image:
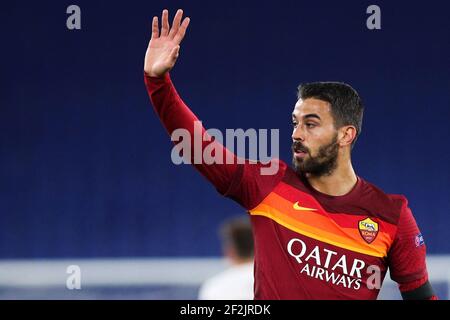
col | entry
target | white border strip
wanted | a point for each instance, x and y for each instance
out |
(143, 271)
(109, 272)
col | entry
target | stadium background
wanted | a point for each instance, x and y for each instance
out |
(85, 169)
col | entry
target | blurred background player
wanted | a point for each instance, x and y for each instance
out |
(236, 282)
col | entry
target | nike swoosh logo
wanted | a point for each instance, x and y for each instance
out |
(296, 206)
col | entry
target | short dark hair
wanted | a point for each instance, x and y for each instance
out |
(346, 105)
(237, 233)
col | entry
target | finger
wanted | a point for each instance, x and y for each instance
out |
(155, 30)
(182, 30)
(176, 23)
(165, 23)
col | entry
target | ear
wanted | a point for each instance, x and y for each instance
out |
(346, 135)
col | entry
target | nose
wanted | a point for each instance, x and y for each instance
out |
(298, 134)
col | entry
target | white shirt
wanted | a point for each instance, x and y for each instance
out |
(235, 283)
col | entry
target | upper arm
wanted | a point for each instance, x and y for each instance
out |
(407, 256)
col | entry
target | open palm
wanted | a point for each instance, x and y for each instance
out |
(164, 47)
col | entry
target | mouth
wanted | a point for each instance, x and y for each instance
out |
(300, 154)
(299, 151)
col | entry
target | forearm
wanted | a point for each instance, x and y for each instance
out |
(418, 290)
(170, 108)
(175, 114)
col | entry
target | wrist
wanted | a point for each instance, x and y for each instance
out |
(156, 78)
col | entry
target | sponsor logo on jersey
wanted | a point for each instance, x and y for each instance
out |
(327, 265)
(368, 229)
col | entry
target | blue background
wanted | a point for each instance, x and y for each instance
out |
(85, 167)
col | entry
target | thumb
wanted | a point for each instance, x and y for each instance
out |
(175, 52)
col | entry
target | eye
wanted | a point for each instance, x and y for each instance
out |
(294, 124)
(310, 125)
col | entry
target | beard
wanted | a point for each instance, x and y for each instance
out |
(324, 163)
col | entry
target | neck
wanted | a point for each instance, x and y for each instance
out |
(240, 261)
(340, 182)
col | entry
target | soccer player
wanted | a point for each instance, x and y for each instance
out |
(320, 231)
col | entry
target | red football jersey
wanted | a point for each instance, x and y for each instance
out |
(309, 245)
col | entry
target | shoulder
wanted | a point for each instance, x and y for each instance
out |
(233, 283)
(274, 167)
(231, 274)
(387, 207)
(254, 180)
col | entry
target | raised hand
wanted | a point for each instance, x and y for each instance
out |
(163, 49)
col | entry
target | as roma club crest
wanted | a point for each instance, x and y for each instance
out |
(368, 229)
